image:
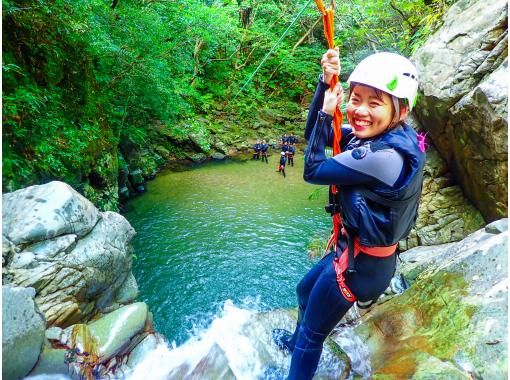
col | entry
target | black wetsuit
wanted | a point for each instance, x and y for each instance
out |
(281, 166)
(390, 164)
(290, 155)
(264, 148)
(256, 149)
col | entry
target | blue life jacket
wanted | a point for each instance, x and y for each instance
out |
(382, 216)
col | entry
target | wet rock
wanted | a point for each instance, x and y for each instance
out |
(220, 147)
(24, 260)
(218, 156)
(445, 215)
(128, 290)
(51, 362)
(497, 227)
(114, 331)
(49, 249)
(43, 212)
(22, 331)
(463, 104)
(124, 194)
(214, 365)
(143, 349)
(455, 307)
(54, 333)
(8, 249)
(74, 277)
(432, 368)
(196, 157)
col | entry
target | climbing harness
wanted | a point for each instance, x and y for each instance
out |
(345, 262)
(341, 264)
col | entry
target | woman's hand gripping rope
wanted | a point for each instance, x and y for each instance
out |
(330, 63)
(333, 99)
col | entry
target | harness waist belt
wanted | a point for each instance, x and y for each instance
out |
(340, 264)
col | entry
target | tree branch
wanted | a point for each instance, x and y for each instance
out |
(306, 34)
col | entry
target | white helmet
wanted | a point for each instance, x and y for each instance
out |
(388, 72)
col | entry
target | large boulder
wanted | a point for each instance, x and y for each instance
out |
(452, 321)
(43, 212)
(445, 215)
(102, 347)
(77, 259)
(22, 332)
(463, 80)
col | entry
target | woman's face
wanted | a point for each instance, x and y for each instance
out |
(368, 114)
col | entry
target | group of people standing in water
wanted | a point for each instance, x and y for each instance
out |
(287, 145)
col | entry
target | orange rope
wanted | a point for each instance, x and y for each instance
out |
(328, 18)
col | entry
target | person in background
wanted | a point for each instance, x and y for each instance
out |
(285, 139)
(290, 155)
(285, 148)
(379, 173)
(256, 150)
(281, 165)
(263, 150)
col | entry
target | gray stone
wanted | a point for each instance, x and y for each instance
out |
(71, 287)
(445, 215)
(128, 290)
(50, 248)
(463, 80)
(481, 258)
(497, 227)
(45, 211)
(49, 377)
(220, 147)
(25, 260)
(51, 362)
(196, 157)
(22, 332)
(143, 349)
(114, 331)
(218, 156)
(54, 333)
(431, 368)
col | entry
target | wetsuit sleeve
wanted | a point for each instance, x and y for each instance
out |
(315, 107)
(352, 167)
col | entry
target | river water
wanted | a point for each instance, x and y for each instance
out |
(233, 232)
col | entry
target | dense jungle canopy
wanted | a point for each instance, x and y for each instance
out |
(81, 79)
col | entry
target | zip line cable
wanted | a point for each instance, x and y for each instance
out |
(271, 51)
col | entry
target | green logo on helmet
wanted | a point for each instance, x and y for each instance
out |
(392, 84)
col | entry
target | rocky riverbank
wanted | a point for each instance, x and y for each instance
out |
(68, 290)
(69, 303)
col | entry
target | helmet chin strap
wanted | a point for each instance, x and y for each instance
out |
(396, 106)
(396, 117)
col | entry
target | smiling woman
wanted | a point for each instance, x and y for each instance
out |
(369, 111)
(380, 173)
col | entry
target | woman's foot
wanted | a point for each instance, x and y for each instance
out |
(283, 340)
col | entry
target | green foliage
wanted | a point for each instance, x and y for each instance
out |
(80, 78)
